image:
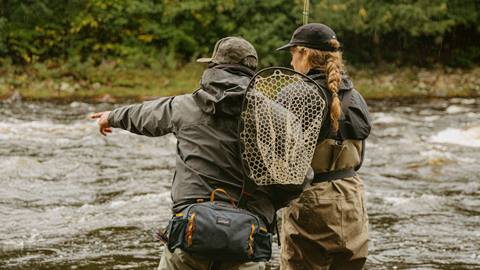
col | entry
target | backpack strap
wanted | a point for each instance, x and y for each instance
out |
(345, 103)
(346, 99)
(248, 188)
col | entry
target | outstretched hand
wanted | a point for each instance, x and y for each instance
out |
(102, 121)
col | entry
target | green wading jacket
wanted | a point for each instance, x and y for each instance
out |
(205, 124)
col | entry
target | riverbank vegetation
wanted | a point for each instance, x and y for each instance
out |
(108, 82)
(105, 50)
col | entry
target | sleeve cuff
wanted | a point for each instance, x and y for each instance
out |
(111, 119)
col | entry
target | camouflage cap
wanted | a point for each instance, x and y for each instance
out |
(230, 50)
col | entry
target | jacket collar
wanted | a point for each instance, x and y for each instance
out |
(222, 88)
(236, 69)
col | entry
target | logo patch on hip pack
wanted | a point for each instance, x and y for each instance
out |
(223, 221)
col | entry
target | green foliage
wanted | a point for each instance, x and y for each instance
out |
(3, 34)
(403, 30)
(171, 32)
(410, 18)
(139, 31)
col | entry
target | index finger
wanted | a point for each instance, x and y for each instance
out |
(96, 115)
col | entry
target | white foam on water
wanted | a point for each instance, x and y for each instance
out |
(116, 204)
(12, 245)
(425, 203)
(454, 109)
(465, 101)
(147, 198)
(42, 131)
(383, 118)
(397, 200)
(437, 153)
(466, 137)
(431, 118)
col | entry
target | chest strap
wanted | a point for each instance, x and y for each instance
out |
(333, 175)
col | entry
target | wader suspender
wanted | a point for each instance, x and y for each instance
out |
(348, 96)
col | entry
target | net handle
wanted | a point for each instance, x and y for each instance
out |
(306, 11)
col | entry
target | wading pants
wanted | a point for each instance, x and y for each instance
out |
(181, 260)
(326, 228)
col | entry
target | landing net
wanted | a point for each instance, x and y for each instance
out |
(282, 115)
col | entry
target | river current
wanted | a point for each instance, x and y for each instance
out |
(73, 199)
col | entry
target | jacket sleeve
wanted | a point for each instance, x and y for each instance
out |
(152, 118)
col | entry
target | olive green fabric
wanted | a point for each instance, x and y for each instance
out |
(327, 226)
(181, 260)
(332, 155)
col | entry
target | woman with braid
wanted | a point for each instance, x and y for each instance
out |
(326, 227)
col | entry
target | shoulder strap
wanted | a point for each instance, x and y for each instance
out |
(346, 100)
(248, 188)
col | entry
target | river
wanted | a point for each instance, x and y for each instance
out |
(73, 199)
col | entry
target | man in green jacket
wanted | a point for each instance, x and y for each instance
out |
(205, 124)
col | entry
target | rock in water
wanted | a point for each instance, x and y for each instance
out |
(15, 97)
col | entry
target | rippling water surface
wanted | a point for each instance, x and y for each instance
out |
(72, 199)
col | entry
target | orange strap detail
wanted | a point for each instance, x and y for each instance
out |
(190, 229)
(212, 195)
(250, 241)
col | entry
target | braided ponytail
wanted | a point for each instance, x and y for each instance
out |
(334, 75)
(331, 64)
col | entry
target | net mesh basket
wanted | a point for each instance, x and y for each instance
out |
(282, 116)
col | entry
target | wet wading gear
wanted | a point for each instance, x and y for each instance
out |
(327, 226)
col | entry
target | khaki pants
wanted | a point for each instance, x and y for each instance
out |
(181, 260)
(326, 227)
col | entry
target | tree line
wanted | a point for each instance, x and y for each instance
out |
(172, 32)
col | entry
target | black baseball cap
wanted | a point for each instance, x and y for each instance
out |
(312, 35)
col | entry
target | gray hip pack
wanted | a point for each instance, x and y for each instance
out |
(219, 231)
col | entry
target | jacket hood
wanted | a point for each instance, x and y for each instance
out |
(321, 79)
(222, 88)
